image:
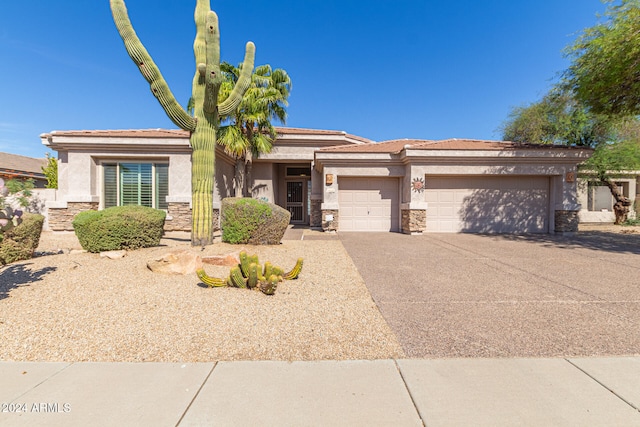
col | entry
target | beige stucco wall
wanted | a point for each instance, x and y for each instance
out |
(264, 177)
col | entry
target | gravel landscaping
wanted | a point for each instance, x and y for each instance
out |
(74, 306)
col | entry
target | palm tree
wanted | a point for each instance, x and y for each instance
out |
(248, 131)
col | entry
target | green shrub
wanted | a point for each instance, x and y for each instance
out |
(251, 221)
(21, 241)
(120, 227)
(632, 222)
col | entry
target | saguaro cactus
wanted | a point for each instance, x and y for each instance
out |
(204, 123)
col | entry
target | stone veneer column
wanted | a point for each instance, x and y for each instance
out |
(315, 219)
(330, 225)
(60, 219)
(566, 221)
(178, 217)
(414, 221)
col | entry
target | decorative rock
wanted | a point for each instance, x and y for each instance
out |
(229, 260)
(113, 254)
(177, 262)
(77, 251)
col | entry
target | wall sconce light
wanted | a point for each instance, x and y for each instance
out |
(571, 177)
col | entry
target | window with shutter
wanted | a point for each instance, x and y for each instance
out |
(141, 184)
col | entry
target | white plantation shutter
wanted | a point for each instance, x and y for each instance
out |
(162, 186)
(136, 184)
(110, 185)
(141, 184)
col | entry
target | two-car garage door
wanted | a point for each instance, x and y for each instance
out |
(369, 204)
(487, 204)
(477, 204)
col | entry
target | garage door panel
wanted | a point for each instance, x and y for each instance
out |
(347, 212)
(368, 204)
(357, 211)
(360, 197)
(487, 204)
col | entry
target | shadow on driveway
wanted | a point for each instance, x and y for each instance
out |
(594, 240)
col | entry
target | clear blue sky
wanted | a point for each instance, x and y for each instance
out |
(381, 69)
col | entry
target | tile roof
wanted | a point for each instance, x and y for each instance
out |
(15, 162)
(397, 145)
(394, 146)
(163, 133)
(122, 133)
(473, 144)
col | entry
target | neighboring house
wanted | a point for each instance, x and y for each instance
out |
(597, 201)
(331, 180)
(14, 166)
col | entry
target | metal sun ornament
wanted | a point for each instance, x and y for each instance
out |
(417, 185)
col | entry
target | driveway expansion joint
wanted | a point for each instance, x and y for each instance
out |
(603, 385)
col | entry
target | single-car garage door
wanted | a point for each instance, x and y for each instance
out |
(487, 204)
(368, 204)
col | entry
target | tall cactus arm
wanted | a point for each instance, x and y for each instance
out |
(232, 102)
(149, 69)
(212, 76)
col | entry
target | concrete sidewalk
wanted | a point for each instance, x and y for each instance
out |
(410, 392)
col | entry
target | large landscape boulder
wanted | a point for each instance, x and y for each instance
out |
(176, 262)
(251, 221)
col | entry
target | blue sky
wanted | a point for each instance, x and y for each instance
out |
(381, 69)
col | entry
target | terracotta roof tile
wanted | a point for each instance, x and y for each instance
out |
(123, 133)
(163, 133)
(392, 147)
(472, 144)
(397, 145)
(15, 162)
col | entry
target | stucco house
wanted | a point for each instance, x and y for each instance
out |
(331, 180)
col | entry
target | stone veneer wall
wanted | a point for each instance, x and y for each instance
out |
(414, 221)
(60, 219)
(180, 214)
(215, 219)
(316, 213)
(566, 221)
(330, 225)
(181, 218)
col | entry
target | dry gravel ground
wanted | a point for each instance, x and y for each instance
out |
(80, 307)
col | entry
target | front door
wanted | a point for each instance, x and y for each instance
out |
(295, 201)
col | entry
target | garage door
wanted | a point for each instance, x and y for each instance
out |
(484, 204)
(368, 204)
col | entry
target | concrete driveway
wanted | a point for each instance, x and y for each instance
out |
(465, 295)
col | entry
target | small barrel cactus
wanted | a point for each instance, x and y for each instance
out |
(250, 274)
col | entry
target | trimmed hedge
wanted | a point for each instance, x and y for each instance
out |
(21, 241)
(119, 227)
(251, 221)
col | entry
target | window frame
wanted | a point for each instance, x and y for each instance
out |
(155, 202)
